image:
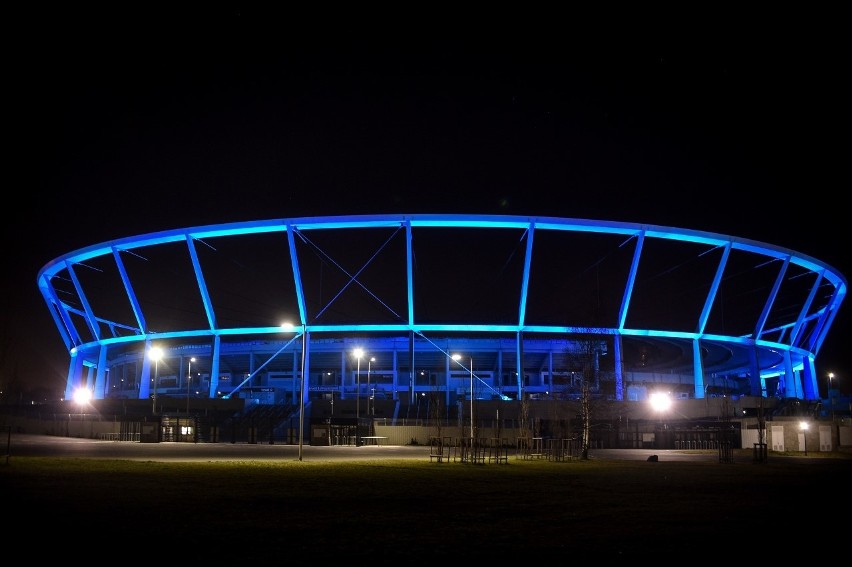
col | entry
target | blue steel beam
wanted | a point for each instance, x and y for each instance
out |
(818, 317)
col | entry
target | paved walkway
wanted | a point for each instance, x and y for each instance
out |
(29, 445)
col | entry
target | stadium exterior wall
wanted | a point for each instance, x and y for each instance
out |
(535, 306)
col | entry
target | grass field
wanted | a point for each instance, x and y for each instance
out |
(420, 512)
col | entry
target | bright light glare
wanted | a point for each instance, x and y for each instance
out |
(155, 354)
(82, 396)
(660, 401)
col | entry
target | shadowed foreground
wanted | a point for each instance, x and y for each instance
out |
(419, 512)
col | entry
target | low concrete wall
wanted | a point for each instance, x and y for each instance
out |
(782, 434)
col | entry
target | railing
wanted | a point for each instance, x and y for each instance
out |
(475, 451)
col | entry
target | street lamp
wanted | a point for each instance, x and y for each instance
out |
(828, 394)
(289, 327)
(188, 380)
(358, 354)
(82, 396)
(660, 402)
(369, 366)
(457, 358)
(803, 425)
(155, 354)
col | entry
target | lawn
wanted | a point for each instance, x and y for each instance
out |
(419, 512)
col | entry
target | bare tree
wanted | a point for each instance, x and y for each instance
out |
(586, 419)
(524, 433)
(760, 455)
(436, 413)
(586, 356)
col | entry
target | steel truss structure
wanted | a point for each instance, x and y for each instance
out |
(532, 304)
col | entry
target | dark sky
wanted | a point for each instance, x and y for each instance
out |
(131, 132)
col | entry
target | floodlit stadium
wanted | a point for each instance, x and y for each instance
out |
(389, 309)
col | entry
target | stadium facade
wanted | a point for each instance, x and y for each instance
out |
(377, 306)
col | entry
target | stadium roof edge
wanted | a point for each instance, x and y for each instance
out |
(442, 220)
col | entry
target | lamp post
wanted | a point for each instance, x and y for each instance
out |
(302, 390)
(369, 367)
(358, 354)
(660, 402)
(155, 354)
(81, 397)
(457, 358)
(803, 425)
(471, 403)
(188, 380)
(289, 327)
(828, 394)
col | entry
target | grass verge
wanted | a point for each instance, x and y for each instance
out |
(415, 511)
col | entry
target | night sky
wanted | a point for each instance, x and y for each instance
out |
(130, 132)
